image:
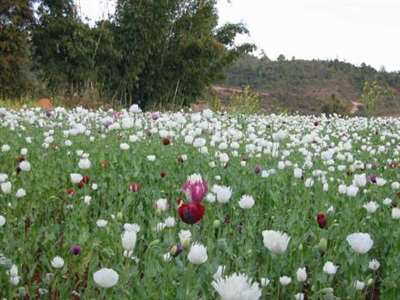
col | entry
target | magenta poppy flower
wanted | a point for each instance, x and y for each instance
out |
(134, 187)
(195, 188)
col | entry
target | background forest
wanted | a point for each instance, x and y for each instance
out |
(148, 52)
(168, 54)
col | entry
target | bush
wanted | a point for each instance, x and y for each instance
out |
(372, 96)
(335, 106)
(214, 103)
(246, 101)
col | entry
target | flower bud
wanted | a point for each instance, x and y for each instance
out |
(222, 244)
(323, 245)
(217, 223)
(186, 243)
(22, 292)
(327, 290)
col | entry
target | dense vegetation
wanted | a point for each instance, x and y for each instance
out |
(165, 54)
(150, 53)
(116, 205)
(309, 85)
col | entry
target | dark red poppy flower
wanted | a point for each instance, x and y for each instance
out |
(191, 213)
(85, 179)
(166, 141)
(71, 191)
(322, 219)
(257, 170)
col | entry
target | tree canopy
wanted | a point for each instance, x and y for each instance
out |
(149, 52)
(16, 17)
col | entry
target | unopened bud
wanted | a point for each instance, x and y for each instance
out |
(323, 245)
(217, 224)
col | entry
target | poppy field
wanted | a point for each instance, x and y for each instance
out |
(105, 204)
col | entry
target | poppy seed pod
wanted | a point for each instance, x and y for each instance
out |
(323, 245)
(216, 223)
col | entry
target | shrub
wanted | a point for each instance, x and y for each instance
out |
(335, 106)
(247, 101)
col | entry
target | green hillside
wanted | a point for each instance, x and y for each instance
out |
(309, 86)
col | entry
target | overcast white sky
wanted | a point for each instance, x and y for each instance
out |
(352, 30)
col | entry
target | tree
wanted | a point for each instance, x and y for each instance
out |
(281, 58)
(264, 57)
(63, 47)
(151, 52)
(169, 51)
(373, 94)
(16, 17)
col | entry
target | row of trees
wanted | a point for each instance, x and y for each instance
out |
(295, 74)
(148, 52)
(314, 86)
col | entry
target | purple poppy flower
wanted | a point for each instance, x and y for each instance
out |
(76, 250)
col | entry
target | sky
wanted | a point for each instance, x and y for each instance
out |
(355, 31)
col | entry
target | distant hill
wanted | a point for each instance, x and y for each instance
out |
(308, 86)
